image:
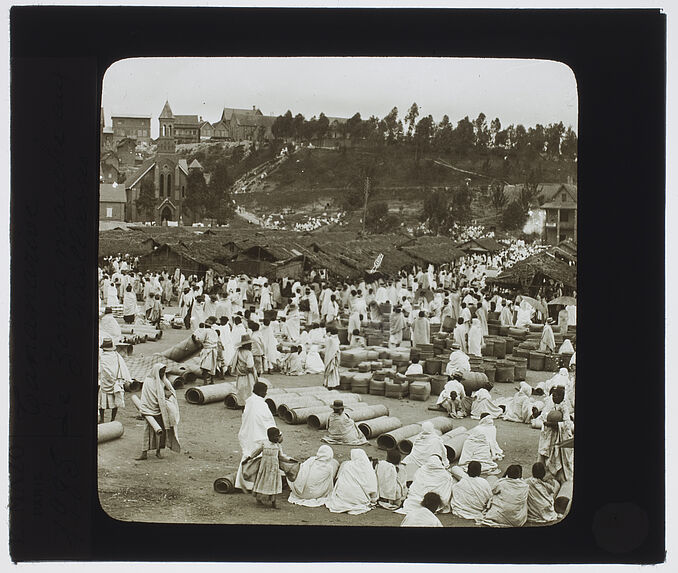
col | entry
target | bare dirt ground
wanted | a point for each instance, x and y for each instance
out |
(179, 487)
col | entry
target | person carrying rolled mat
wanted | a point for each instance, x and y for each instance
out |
(159, 399)
(392, 487)
(315, 479)
(113, 373)
(481, 445)
(471, 494)
(256, 419)
(424, 516)
(432, 476)
(508, 506)
(425, 444)
(341, 429)
(268, 481)
(541, 496)
(242, 366)
(355, 490)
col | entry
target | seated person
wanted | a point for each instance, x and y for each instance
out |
(357, 341)
(424, 516)
(483, 404)
(392, 488)
(432, 476)
(292, 364)
(414, 368)
(315, 479)
(471, 494)
(426, 444)
(341, 429)
(520, 407)
(455, 386)
(481, 445)
(541, 496)
(355, 490)
(508, 506)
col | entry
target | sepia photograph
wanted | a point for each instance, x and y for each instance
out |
(337, 291)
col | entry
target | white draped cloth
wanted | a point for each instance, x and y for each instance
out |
(355, 490)
(508, 507)
(519, 408)
(432, 476)
(315, 480)
(483, 404)
(470, 496)
(110, 326)
(452, 386)
(458, 362)
(426, 444)
(475, 338)
(420, 517)
(256, 420)
(481, 446)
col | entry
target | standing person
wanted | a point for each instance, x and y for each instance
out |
(113, 374)
(481, 315)
(421, 332)
(547, 343)
(397, 327)
(332, 359)
(209, 340)
(155, 314)
(563, 320)
(265, 302)
(242, 366)
(475, 338)
(167, 290)
(271, 354)
(559, 461)
(424, 516)
(186, 306)
(332, 307)
(258, 349)
(268, 483)
(508, 506)
(256, 419)
(506, 315)
(459, 335)
(129, 305)
(159, 399)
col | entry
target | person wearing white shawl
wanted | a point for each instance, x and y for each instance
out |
(481, 445)
(572, 314)
(432, 476)
(562, 378)
(547, 342)
(471, 493)
(392, 294)
(483, 404)
(381, 296)
(458, 363)
(421, 330)
(332, 360)
(459, 335)
(424, 515)
(390, 481)
(111, 295)
(355, 490)
(475, 338)
(292, 324)
(450, 404)
(313, 364)
(113, 374)
(227, 344)
(426, 444)
(524, 314)
(159, 399)
(315, 479)
(108, 326)
(265, 302)
(256, 419)
(129, 305)
(271, 354)
(508, 506)
(559, 461)
(481, 315)
(519, 408)
(541, 496)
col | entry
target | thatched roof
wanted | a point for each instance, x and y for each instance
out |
(435, 250)
(540, 265)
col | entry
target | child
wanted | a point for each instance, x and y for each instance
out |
(424, 516)
(392, 490)
(452, 405)
(257, 348)
(268, 483)
(155, 313)
(357, 340)
(414, 368)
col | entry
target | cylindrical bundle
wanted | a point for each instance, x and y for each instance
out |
(300, 415)
(551, 362)
(274, 401)
(510, 342)
(490, 371)
(308, 390)
(182, 350)
(232, 401)
(133, 386)
(505, 371)
(225, 484)
(109, 431)
(209, 394)
(191, 367)
(536, 360)
(473, 381)
(564, 498)
(500, 347)
(487, 348)
(389, 440)
(150, 419)
(519, 368)
(274, 391)
(454, 442)
(298, 402)
(377, 387)
(437, 384)
(345, 397)
(440, 423)
(420, 391)
(176, 380)
(377, 426)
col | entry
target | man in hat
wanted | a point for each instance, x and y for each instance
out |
(113, 374)
(547, 343)
(209, 341)
(242, 366)
(341, 429)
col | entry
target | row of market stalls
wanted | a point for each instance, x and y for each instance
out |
(279, 254)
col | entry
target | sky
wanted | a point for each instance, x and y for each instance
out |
(515, 91)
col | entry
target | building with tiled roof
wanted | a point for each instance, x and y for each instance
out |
(560, 206)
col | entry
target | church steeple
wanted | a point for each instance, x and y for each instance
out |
(166, 142)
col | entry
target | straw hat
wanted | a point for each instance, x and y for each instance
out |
(338, 405)
(107, 343)
(244, 339)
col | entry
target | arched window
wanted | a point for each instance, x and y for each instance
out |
(163, 130)
(183, 192)
(169, 185)
(162, 185)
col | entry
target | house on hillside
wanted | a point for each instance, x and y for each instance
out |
(187, 128)
(109, 168)
(112, 202)
(484, 246)
(537, 272)
(137, 127)
(206, 130)
(560, 206)
(241, 124)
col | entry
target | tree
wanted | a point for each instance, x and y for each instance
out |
(322, 126)
(423, 135)
(495, 129)
(353, 126)
(460, 209)
(197, 196)
(536, 138)
(519, 142)
(514, 216)
(435, 210)
(498, 197)
(554, 134)
(568, 147)
(411, 118)
(443, 137)
(393, 126)
(298, 126)
(146, 200)
(464, 136)
(480, 131)
(379, 220)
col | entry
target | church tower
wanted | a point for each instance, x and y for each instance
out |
(166, 168)
(166, 142)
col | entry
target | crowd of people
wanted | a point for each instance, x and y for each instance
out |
(277, 221)
(242, 323)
